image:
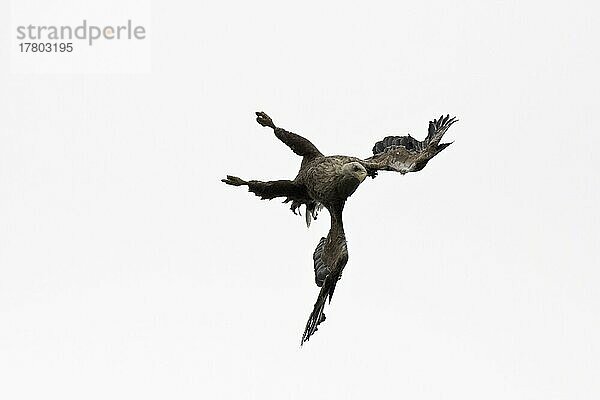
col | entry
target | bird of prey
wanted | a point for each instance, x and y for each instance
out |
(328, 181)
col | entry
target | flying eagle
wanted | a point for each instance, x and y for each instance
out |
(328, 181)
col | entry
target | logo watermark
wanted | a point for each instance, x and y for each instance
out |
(80, 37)
(85, 32)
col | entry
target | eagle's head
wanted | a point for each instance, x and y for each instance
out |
(355, 170)
(353, 174)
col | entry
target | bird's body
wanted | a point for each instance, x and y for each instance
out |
(328, 181)
(338, 184)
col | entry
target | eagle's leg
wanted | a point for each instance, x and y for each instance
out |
(271, 189)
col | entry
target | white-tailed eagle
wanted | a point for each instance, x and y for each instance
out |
(328, 181)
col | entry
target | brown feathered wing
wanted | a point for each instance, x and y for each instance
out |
(406, 154)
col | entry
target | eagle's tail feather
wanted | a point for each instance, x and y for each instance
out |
(317, 315)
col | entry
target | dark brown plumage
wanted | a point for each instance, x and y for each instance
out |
(328, 181)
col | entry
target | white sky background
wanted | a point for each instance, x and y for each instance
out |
(128, 270)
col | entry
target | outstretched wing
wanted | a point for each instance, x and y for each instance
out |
(271, 189)
(406, 154)
(299, 145)
(330, 258)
